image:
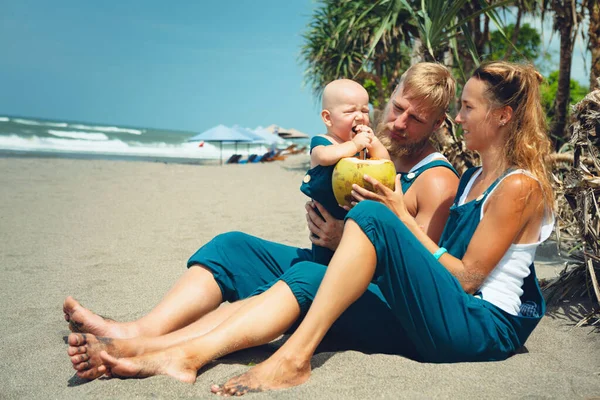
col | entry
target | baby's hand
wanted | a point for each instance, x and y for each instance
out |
(364, 129)
(362, 140)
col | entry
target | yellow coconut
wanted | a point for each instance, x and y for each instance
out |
(351, 170)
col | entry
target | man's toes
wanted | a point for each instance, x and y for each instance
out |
(91, 373)
(74, 350)
(79, 358)
(77, 339)
(82, 366)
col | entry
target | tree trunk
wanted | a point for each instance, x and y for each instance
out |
(594, 43)
(563, 14)
(515, 35)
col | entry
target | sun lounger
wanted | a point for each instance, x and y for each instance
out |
(250, 159)
(298, 151)
(234, 159)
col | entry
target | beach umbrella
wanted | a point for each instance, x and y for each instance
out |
(222, 134)
(256, 138)
(271, 138)
(292, 134)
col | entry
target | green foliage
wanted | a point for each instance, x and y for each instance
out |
(371, 41)
(527, 44)
(550, 87)
(339, 38)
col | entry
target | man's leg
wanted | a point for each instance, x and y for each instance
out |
(85, 348)
(376, 243)
(193, 295)
(259, 320)
(228, 268)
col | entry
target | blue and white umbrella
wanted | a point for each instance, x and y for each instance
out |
(222, 134)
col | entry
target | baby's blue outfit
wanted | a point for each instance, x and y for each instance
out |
(317, 185)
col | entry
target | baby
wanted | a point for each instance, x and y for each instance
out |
(346, 116)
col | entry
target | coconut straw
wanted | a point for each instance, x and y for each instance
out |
(362, 155)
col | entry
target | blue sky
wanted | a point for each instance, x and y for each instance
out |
(186, 65)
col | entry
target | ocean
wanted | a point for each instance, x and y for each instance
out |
(24, 136)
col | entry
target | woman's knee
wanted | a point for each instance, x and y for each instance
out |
(369, 214)
(230, 239)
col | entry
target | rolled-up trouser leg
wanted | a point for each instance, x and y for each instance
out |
(444, 323)
(241, 263)
(367, 325)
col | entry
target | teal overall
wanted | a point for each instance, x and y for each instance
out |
(241, 263)
(415, 307)
(317, 185)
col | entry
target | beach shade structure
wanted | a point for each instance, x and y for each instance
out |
(286, 133)
(292, 134)
(270, 137)
(222, 134)
(256, 138)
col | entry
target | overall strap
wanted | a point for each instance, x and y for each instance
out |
(319, 140)
(490, 188)
(464, 181)
(407, 179)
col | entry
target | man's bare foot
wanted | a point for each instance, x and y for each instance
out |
(278, 372)
(84, 350)
(82, 320)
(171, 362)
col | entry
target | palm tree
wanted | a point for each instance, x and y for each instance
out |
(339, 38)
(369, 39)
(566, 20)
(594, 41)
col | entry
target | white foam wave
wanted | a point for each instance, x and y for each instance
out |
(40, 123)
(113, 129)
(189, 150)
(107, 129)
(78, 135)
(4, 119)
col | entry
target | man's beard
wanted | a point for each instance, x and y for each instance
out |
(395, 147)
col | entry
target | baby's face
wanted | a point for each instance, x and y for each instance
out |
(349, 109)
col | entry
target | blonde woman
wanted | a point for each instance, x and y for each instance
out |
(472, 297)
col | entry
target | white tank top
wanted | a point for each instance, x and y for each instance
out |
(429, 158)
(503, 286)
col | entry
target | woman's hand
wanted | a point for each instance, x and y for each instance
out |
(326, 231)
(393, 199)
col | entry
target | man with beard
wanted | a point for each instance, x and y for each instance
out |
(415, 111)
(234, 266)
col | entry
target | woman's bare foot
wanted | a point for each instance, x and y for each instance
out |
(172, 362)
(82, 320)
(278, 372)
(84, 350)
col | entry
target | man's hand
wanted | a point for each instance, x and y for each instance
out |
(393, 199)
(326, 231)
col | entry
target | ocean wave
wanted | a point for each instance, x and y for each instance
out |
(117, 147)
(40, 123)
(79, 135)
(4, 119)
(112, 129)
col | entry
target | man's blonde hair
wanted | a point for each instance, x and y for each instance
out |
(429, 82)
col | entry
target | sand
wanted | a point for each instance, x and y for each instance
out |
(116, 235)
